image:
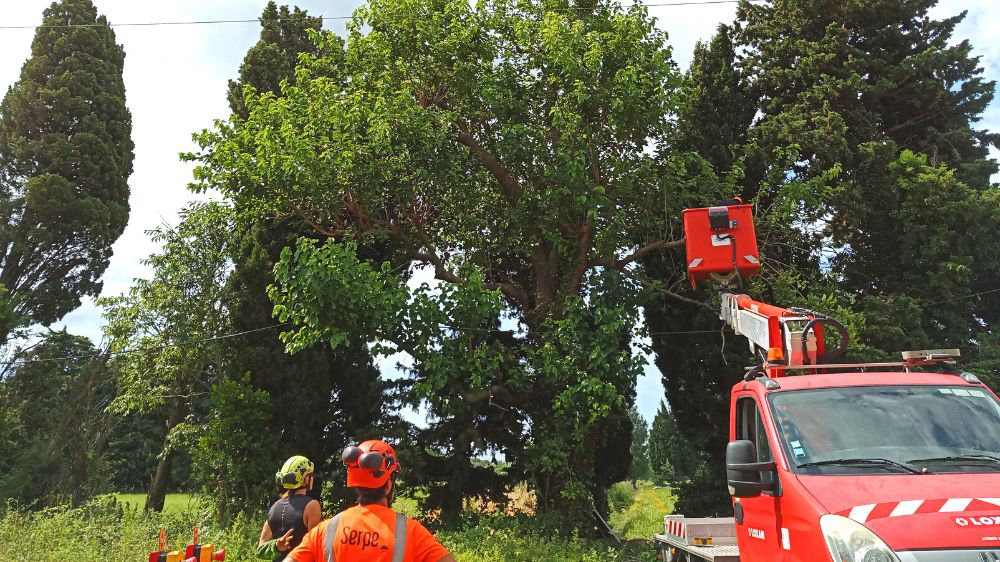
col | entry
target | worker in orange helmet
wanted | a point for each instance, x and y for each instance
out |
(370, 531)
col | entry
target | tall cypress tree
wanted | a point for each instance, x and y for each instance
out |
(65, 158)
(320, 398)
(716, 110)
(879, 91)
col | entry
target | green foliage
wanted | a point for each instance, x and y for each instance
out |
(933, 260)
(705, 492)
(320, 398)
(910, 211)
(54, 428)
(621, 496)
(717, 105)
(169, 317)
(643, 516)
(133, 450)
(163, 331)
(986, 363)
(507, 540)
(509, 148)
(228, 447)
(672, 457)
(889, 72)
(65, 158)
(273, 59)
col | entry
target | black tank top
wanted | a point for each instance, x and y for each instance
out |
(285, 514)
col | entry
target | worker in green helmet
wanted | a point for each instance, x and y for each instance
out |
(293, 515)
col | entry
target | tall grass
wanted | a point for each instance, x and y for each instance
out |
(107, 531)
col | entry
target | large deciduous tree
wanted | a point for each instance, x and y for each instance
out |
(509, 148)
(65, 158)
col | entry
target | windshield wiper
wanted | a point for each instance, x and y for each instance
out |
(876, 461)
(987, 458)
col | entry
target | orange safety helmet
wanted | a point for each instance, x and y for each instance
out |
(370, 464)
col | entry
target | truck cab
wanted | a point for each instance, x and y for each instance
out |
(865, 467)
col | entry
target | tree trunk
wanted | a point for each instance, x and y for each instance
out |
(161, 479)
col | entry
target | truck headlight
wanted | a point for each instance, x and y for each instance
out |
(850, 541)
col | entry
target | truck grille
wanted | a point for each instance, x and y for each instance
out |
(950, 556)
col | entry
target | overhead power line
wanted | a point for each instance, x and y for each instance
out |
(189, 343)
(972, 296)
(138, 350)
(341, 18)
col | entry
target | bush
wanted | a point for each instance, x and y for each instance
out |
(620, 496)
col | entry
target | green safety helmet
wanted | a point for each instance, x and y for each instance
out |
(293, 473)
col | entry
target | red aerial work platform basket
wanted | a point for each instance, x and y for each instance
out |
(720, 243)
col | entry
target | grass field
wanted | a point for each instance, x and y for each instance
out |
(113, 528)
(644, 515)
(174, 503)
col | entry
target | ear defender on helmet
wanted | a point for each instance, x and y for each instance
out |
(371, 461)
(350, 455)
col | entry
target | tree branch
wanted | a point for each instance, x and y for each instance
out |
(508, 183)
(682, 298)
(582, 256)
(642, 252)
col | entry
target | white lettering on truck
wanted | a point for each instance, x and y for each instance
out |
(756, 533)
(986, 521)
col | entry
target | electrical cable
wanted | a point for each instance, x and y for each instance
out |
(142, 349)
(972, 296)
(341, 18)
(243, 333)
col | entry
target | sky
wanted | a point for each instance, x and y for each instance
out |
(176, 78)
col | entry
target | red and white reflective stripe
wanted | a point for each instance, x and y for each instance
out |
(676, 528)
(872, 511)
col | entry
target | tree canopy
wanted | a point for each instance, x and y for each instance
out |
(509, 148)
(55, 426)
(164, 331)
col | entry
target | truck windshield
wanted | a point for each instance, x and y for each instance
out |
(889, 429)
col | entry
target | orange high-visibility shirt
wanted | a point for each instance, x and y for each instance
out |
(367, 533)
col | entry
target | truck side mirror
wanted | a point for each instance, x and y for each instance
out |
(743, 470)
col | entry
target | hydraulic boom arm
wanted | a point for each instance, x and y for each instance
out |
(786, 336)
(722, 247)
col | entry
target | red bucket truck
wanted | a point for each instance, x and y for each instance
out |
(875, 462)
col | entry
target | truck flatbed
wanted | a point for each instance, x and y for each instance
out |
(721, 553)
(711, 539)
